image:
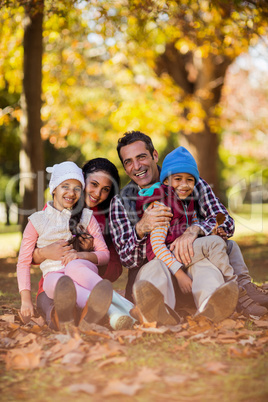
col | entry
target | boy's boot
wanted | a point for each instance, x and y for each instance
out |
(247, 306)
(150, 302)
(119, 313)
(97, 304)
(221, 304)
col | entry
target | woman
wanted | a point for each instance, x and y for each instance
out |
(102, 183)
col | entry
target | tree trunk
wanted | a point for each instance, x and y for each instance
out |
(31, 154)
(204, 148)
(201, 79)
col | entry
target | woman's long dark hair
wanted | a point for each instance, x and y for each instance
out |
(104, 165)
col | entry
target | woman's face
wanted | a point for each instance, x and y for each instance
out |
(97, 189)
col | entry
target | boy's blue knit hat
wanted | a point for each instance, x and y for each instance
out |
(179, 161)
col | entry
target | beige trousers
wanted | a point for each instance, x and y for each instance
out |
(208, 270)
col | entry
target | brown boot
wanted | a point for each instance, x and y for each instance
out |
(150, 302)
(247, 306)
(97, 305)
(257, 294)
(64, 302)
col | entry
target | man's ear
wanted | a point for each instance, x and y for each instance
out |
(155, 156)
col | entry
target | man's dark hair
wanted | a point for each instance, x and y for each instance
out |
(133, 136)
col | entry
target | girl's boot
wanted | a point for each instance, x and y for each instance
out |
(119, 313)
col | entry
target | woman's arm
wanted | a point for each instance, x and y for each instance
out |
(54, 251)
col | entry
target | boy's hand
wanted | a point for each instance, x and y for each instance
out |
(182, 247)
(152, 218)
(184, 281)
(220, 232)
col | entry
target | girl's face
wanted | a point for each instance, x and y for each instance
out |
(97, 189)
(67, 194)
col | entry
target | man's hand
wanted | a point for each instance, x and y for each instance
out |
(152, 218)
(182, 247)
(184, 281)
(55, 251)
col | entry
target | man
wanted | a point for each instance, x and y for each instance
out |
(139, 158)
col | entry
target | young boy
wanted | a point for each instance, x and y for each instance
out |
(209, 277)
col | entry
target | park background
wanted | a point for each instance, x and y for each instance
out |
(76, 75)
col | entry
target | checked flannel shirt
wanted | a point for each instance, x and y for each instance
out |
(132, 250)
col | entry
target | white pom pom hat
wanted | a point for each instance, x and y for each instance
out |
(64, 171)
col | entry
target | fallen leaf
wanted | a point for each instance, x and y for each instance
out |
(146, 375)
(261, 323)
(73, 358)
(215, 367)
(242, 353)
(87, 388)
(251, 340)
(117, 387)
(177, 379)
(112, 360)
(8, 318)
(39, 321)
(227, 324)
(24, 358)
(24, 319)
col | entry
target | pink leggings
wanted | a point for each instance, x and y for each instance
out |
(84, 275)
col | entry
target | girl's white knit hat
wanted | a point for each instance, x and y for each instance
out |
(62, 172)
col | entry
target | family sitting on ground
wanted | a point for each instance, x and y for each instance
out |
(162, 226)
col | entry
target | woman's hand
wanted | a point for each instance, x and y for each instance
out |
(54, 251)
(86, 242)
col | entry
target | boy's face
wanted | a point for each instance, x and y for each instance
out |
(183, 184)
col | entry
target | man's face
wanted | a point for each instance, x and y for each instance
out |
(139, 164)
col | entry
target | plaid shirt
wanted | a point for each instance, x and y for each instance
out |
(132, 251)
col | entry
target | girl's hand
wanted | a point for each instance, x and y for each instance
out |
(27, 309)
(184, 281)
(70, 256)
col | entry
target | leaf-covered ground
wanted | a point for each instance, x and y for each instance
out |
(194, 361)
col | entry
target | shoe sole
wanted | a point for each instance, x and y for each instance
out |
(98, 303)
(222, 303)
(65, 299)
(150, 301)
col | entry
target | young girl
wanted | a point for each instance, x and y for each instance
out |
(59, 221)
(102, 182)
